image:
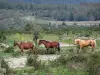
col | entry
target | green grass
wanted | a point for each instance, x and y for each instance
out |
(51, 37)
(60, 70)
(20, 37)
(29, 37)
(68, 41)
(2, 54)
(27, 70)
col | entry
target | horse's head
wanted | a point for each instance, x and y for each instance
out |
(77, 41)
(16, 43)
(93, 43)
(41, 42)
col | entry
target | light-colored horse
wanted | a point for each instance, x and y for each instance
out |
(86, 42)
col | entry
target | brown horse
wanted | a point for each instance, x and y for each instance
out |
(24, 45)
(49, 44)
(84, 43)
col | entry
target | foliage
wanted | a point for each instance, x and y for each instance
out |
(28, 27)
(9, 49)
(62, 12)
(4, 65)
(25, 70)
(16, 54)
(77, 58)
(93, 64)
(62, 60)
(32, 61)
(70, 58)
(2, 36)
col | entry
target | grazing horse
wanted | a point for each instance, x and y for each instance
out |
(24, 45)
(49, 44)
(84, 43)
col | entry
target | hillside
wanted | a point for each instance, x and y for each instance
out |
(57, 1)
(17, 19)
(16, 14)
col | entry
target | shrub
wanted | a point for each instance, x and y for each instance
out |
(76, 58)
(52, 51)
(70, 58)
(32, 61)
(2, 36)
(9, 50)
(93, 64)
(25, 70)
(5, 66)
(16, 53)
(62, 60)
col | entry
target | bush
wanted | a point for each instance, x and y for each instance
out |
(62, 60)
(5, 66)
(76, 58)
(70, 58)
(2, 36)
(93, 64)
(32, 61)
(25, 70)
(16, 53)
(9, 50)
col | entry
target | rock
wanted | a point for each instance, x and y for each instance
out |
(4, 68)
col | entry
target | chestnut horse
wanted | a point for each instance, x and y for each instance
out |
(49, 44)
(84, 43)
(24, 45)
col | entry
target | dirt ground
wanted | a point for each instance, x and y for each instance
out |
(21, 61)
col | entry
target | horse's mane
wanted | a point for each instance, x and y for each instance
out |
(45, 40)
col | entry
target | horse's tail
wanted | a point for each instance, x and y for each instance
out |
(94, 43)
(59, 47)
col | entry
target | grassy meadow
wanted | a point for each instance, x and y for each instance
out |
(52, 20)
(69, 61)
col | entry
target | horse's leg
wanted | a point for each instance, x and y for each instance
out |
(93, 46)
(21, 52)
(59, 49)
(80, 48)
(47, 50)
(55, 49)
(30, 51)
(92, 49)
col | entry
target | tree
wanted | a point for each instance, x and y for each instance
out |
(63, 23)
(2, 36)
(28, 28)
(71, 16)
(36, 36)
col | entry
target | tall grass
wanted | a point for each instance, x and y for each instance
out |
(93, 64)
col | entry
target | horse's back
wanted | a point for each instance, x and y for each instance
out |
(86, 42)
(27, 44)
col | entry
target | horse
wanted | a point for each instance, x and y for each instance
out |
(24, 45)
(85, 43)
(49, 44)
